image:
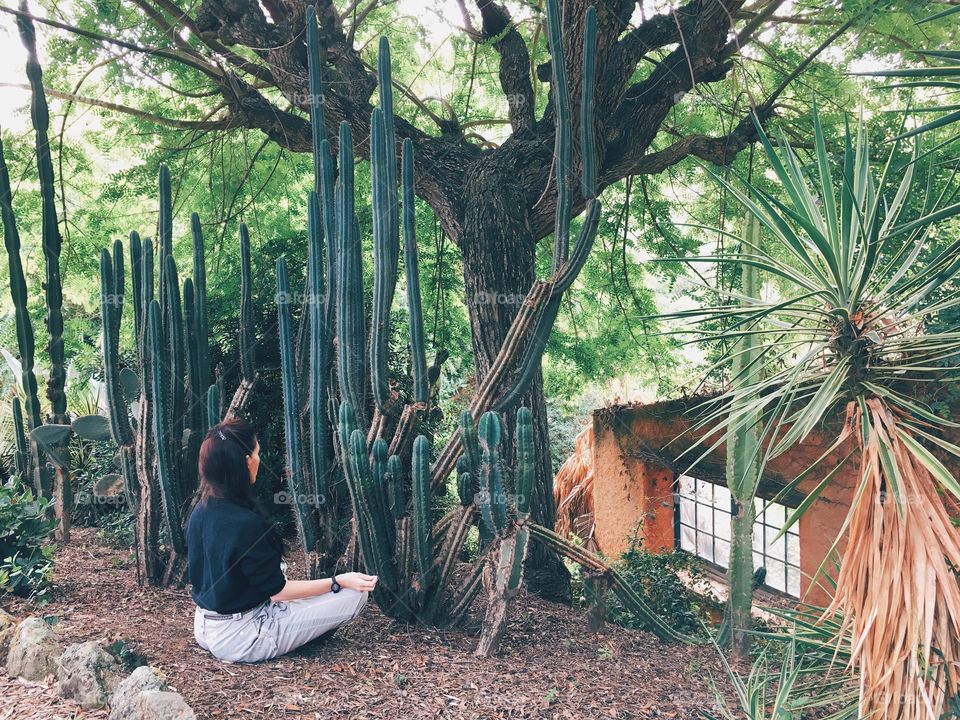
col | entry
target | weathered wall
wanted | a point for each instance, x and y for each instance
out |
(635, 455)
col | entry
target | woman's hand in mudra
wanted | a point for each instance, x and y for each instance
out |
(357, 581)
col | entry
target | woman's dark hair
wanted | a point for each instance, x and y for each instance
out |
(224, 472)
(223, 462)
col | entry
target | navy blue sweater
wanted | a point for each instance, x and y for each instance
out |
(234, 557)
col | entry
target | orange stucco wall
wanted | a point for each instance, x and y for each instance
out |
(635, 459)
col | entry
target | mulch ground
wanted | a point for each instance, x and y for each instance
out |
(550, 664)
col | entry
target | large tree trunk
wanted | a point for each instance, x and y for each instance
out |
(498, 267)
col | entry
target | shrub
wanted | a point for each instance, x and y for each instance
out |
(116, 529)
(26, 563)
(658, 578)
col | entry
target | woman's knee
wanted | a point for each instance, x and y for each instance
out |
(361, 603)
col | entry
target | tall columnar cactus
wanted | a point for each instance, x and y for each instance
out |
(159, 410)
(162, 419)
(20, 442)
(49, 455)
(53, 292)
(303, 506)
(202, 323)
(248, 359)
(18, 293)
(743, 469)
(119, 396)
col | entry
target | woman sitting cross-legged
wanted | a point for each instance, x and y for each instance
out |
(246, 608)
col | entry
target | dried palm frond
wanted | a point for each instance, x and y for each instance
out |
(908, 647)
(573, 490)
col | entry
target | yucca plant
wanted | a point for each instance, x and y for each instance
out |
(848, 333)
(814, 669)
(790, 692)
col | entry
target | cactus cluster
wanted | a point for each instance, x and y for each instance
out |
(335, 306)
(160, 410)
(414, 557)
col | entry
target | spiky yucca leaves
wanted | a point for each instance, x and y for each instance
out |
(849, 331)
(795, 688)
(813, 675)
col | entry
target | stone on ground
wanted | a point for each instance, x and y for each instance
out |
(8, 624)
(144, 696)
(88, 675)
(34, 649)
(156, 705)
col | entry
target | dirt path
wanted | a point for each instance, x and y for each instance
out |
(550, 665)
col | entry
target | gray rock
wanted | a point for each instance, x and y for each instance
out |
(34, 650)
(143, 679)
(88, 675)
(157, 705)
(8, 624)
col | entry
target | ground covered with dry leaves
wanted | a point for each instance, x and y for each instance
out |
(550, 664)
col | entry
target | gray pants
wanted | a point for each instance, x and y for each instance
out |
(275, 628)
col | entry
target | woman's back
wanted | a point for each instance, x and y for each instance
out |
(234, 558)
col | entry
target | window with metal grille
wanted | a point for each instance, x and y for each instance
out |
(703, 526)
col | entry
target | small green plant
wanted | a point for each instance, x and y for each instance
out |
(26, 556)
(126, 655)
(117, 529)
(656, 577)
(551, 696)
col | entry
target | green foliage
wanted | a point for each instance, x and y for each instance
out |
(26, 555)
(656, 577)
(117, 529)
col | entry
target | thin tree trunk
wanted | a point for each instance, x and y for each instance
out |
(740, 579)
(743, 467)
